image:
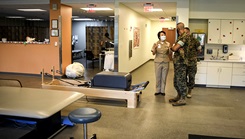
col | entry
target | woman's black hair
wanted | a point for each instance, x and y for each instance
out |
(158, 34)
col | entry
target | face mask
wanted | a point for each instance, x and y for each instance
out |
(163, 38)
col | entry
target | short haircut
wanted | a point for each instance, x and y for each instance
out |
(158, 34)
(187, 28)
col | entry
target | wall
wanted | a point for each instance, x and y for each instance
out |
(198, 25)
(237, 50)
(128, 20)
(213, 9)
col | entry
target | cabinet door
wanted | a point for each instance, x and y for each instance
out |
(239, 32)
(238, 80)
(214, 31)
(212, 75)
(226, 31)
(200, 79)
(225, 76)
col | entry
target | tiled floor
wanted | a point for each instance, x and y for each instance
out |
(211, 111)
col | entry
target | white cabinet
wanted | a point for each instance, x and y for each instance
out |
(200, 78)
(219, 74)
(226, 31)
(220, 31)
(238, 75)
(214, 31)
(239, 32)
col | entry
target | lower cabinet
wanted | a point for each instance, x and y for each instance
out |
(238, 75)
(219, 74)
(201, 75)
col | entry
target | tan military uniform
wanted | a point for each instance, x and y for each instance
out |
(161, 51)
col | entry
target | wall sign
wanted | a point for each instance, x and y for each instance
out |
(54, 23)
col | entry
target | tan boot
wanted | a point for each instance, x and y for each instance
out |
(189, 93)
(175, 99)
(180, 102)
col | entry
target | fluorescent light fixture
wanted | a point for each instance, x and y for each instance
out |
(37, 19)
(112, 16)
(82, 19)
(15, 17)
(96, 9)
(31, 10)
(156, 10)
(75, 16)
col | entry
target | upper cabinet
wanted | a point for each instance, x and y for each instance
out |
(214, 31)
(226, 31)
(239, 32)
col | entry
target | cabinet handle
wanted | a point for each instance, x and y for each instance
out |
(220, 69)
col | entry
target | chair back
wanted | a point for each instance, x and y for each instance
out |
(89, 55)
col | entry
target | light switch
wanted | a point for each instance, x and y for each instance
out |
(55, 44)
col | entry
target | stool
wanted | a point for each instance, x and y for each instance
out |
(84, 116)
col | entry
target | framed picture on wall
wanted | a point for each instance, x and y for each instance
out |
(54, 32)
(54, 23)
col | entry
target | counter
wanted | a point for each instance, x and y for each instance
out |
(227, 61)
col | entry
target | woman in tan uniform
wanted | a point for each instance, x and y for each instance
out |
(161, 51)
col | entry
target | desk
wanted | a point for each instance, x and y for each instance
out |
(77, 54)
(41, 105)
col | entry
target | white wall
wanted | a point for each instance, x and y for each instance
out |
(128, 20)
(217, 9)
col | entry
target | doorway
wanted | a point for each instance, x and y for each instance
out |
(171, 34)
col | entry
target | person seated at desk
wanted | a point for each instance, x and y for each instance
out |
(106, 43)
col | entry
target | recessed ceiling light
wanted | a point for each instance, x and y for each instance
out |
(35, 19)
(82, 19)
(97, 9)
(156, 10)
(31, 10)
(15, 17)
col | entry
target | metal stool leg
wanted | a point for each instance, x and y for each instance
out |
(85, 131)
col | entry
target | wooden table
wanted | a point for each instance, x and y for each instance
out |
(41, 105)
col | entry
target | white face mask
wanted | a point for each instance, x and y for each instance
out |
(163, 38)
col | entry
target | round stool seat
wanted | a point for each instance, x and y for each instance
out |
(84, 115)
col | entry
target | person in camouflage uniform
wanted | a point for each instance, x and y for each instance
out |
(193, 49)
(180, 65)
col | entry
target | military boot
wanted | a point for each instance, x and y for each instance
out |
(175, 99)
(189, 93)
(180, 102)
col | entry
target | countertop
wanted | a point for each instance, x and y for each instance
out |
(226, 61)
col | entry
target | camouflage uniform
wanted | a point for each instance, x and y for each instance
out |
(193, 50)
(180, 65)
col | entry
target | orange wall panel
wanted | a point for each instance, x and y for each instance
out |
(30, 58)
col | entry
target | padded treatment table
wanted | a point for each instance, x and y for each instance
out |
(131, 96)
(41, 105)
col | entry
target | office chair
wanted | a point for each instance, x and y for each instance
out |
(90, 56)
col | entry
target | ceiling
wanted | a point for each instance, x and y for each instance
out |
(169, 10)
